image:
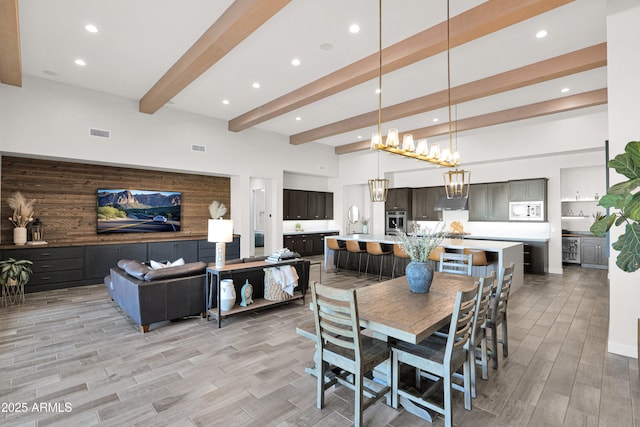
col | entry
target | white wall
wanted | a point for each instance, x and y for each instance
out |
(52, 120)
(623, 69)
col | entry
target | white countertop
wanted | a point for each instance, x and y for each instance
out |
(488, 245)
(293, 233)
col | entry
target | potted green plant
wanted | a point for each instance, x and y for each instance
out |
(365, 225)
(15, 272)
(624, 201)
(417, 245)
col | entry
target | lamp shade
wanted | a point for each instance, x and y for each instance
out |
(220, 230)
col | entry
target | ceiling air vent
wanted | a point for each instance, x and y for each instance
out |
(100, 133)
(199, 148)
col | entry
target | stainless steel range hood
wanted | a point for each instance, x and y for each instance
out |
(444, 204)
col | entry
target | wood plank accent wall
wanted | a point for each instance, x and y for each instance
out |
(66, 198)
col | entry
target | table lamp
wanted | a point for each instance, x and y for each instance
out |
(220, 232)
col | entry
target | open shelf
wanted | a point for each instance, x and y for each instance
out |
(258, 304)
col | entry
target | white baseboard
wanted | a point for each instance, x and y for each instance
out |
(623, 349)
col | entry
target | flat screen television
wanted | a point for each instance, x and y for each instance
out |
(138, 211)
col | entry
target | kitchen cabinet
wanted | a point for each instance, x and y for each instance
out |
(207, 250)
(528, 190)
(423, 201)
(594, 252)
(306, 244)
(307, 205)
(489, 202)
(535, 257)
(399, 199)
(53, 268)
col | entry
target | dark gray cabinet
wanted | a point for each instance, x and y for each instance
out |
(207, 250)
(171, 251)
(594, 252)
(306, 244)
(423, 201)
(307, 205)
(52, 267)
(99, 259)
(399, 199)
(536, 257)
(489, 202)
(528, 190)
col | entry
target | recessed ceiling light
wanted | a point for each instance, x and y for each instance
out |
(435, 119)
(256, 85)
(295, 62)
(541, 34)
(565, 90)
(91, 28)
(378, 90)
(225, 101)
(80, 62)
(298, 118)
(359, 136)
(354, 28)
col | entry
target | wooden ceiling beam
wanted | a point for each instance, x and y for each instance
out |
(558, 105)
(486, 18)
(574, 62)
(10, 56)
(239, 21)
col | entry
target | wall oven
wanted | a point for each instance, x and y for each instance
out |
(395, 219)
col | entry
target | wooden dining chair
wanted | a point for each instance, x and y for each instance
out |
(478, 341)
(498, 314)
(439, 357)
(455, 263)
(375, 249)
(334, 245)
(340, 344)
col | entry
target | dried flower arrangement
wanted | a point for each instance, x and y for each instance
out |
(22, 209)
(419, 243)
(217, 209)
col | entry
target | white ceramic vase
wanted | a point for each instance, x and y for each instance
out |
(20, 235)
(227, 295)
(365, 229)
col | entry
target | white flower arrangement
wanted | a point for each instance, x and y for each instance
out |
(22, 209)
(420, 242)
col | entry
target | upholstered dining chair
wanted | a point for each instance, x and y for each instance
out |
(340, 344)
(439, 357)
(375, 249)
(353, 247)
(455, 263)
(334, 245)
(498, 314)
(398, 253)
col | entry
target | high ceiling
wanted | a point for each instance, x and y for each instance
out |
(325, 99)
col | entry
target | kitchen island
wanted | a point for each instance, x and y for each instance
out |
(503, 252)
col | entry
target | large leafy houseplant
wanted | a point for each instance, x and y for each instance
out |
(15, 270)
(623, 199)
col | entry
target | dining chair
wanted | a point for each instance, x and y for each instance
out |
(334, 245)
(375, 249)
(455, 263)
(478, 341)
(340, 344)
(398, 253)
(439, 358)
(353, 246)
(498, 314)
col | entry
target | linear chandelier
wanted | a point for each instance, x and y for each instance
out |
(457, 181)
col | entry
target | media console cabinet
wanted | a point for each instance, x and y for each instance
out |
(65, 266)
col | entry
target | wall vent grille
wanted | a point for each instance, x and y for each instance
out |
(100, 133)
(198, 148)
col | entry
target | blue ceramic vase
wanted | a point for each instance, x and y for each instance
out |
(419, 276)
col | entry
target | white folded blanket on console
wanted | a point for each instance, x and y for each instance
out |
(287, 277)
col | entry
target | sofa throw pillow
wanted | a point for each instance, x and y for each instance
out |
(156, 265)
(179, 261)
(134, 268)
(189, 269)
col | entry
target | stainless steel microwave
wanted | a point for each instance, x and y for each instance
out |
(526, 211)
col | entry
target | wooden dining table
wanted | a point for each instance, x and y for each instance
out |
(390, 308)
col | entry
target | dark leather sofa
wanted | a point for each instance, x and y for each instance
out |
(150, 296)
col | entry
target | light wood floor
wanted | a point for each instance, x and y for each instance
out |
(76, 347)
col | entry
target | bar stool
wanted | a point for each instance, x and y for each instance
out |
(434, 256)
(353, 246)
(335, 246)
(398, 252)
(479, 259)
(375, 249)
